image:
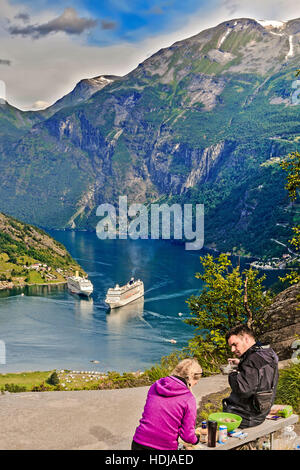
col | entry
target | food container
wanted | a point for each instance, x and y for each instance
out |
(281, 410)
(227, 368)
(222, 434)
(231, 420)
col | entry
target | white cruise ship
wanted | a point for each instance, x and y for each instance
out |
(118, 296)
(80, 285)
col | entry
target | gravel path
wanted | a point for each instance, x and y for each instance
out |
(104, 419)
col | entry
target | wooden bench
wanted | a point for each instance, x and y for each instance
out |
(267, 428)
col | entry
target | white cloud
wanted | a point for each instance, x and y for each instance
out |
(49, 68)
(263, 9)
(68, 22)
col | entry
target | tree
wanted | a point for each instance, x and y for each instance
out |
(229, 297)
(53, 379)
(291, 164)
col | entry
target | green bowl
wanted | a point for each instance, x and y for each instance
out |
(219, 417)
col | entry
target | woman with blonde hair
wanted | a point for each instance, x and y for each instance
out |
(170, 410)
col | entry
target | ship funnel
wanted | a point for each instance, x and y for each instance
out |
(77, 273)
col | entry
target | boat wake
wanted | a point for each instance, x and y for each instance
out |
(159, 315)
(95, 274)
(171, 296)
(93, 261)
(48, 300)
(158, 286)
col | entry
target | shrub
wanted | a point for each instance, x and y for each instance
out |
(53, 379)
(14, 388)
(42, 387)
(116, 380)
(288, 389)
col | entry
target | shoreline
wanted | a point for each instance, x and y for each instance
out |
(14, 286)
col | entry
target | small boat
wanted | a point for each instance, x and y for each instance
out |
(80, 285)
(173, 341)
(119, 296)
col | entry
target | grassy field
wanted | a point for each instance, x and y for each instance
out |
(70, 380)
(24, 379)
(20, 276)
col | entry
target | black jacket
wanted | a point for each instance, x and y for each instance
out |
(257, 371)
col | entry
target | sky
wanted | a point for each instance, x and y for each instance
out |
(46, 47)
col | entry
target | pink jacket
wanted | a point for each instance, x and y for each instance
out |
(170, 411)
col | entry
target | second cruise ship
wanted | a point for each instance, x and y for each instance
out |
(80, 285)
(118, 296)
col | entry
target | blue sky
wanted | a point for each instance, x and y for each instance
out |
(138, 19)
(46, 47)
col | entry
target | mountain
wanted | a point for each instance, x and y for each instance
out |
(204, 121)
(82, 91)
(14, 123)
(30, 255)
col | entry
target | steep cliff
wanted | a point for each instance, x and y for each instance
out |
(283, 320)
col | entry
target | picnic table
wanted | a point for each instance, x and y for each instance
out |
(267, 428)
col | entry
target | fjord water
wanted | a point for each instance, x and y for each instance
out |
(49, 327)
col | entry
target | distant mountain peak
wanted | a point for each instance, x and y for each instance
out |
(100, 80)
(84, 89)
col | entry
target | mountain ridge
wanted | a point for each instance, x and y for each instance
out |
(193, 122)
(82, 91)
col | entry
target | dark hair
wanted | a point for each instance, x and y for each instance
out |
(239, 330)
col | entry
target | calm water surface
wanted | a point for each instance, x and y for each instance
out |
(50, 328)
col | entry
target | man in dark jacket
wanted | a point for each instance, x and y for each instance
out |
(254, 381)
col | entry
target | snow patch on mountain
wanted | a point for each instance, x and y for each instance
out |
(291, 51)
(272, 23)
(224, 37)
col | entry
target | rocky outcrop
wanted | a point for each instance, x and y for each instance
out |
(206, 161)
(205, 89)
(283, 320)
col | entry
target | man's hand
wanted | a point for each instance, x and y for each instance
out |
(234, 361)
